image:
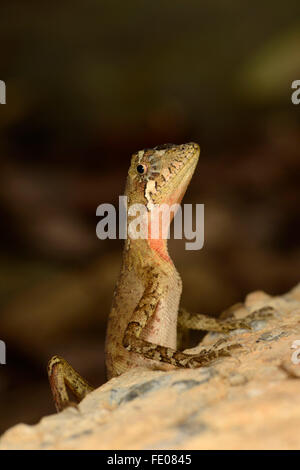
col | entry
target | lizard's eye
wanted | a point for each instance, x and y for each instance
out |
(141, 169)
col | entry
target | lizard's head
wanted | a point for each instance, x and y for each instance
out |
(162, 174)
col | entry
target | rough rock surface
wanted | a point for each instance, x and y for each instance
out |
(250, 400)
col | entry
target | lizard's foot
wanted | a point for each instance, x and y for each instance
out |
(230, 324)
(62, 376)
(203, 322)
(207, 356)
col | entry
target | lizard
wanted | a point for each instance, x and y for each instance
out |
(145, 312)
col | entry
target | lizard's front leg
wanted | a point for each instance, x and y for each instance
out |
(62, 376)
(133, 342)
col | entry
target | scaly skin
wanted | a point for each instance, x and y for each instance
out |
(142, 326)
(147, 295)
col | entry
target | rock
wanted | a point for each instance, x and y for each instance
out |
(249, 400)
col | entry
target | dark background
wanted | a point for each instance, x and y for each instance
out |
(89, 83)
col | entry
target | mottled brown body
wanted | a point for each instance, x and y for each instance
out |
(149, 287)
(142, 325)
(164, 290)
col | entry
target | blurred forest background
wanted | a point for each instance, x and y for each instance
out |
(88, 83)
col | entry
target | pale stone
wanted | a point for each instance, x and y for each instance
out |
(250, 400)
(256, 297)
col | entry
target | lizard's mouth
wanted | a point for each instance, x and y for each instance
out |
(178, 170)
(181, 167)
(189, 164)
